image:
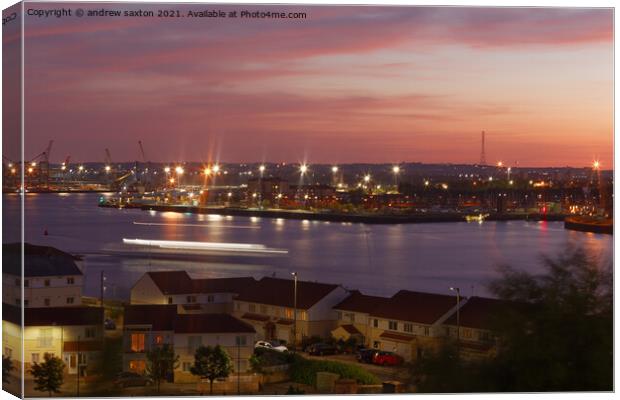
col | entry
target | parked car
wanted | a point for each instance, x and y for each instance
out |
(272, 346)
(366, 355)
(109, 324)
(126, 379)
(386, 358)
(322, 349)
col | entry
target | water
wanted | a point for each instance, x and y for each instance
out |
(377, 259)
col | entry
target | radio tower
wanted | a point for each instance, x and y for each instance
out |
(483, 157)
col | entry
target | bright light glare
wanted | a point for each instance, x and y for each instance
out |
(334, 169)
(167, 169)
(216, 168)
(396, 169)
(367, 178)
(596, 164)
(303, 168)
(204, 246)
(179, 170)
(261, 168)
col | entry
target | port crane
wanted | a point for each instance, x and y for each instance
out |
(39, 166)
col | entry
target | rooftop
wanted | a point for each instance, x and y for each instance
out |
(49, 316)
(165, 318)
(38, 261)
(179, 282)
(281, 292)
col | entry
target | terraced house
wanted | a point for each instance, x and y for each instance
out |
(75, 334)
(51, 277)
(408, 323)
(269, 306)
(148, 326)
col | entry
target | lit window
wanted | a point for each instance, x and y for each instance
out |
(159, 339)
(137, 342)
(263, 309)
(45, 337)
(137, 366)
(35, 358)
(289, 313)
(427, 331)
(89, 332)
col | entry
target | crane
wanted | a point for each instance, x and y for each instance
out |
(108, 161)
(43, 169)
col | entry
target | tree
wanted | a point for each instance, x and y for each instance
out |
(7, 367)
(211, 363)
(555, 335)
(48, 375)
(160, 361)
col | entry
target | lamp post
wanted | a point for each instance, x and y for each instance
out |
(458, 316)
(294, 310)
(396, 171)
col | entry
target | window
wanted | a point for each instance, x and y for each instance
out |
(137, 342)
(467, 333)
(169, 300)
(338, 315)
(393, 325)
(240, 340)
(46, 282)
(137, 366)
(303, 315)
(376, 344)
(159, 339)
(288, 313)
(89, 333)
(210, 298)
(35, 358)
(408, 328)
(349, 317)
(70, 281)
(45, 337)
(483, 336)
(70, 300)
(193, 342)
(26, 283)
(263, 309)
(427, 331)
(187, 366)
(191, 299)
(375, 323)
(47, 301)
(252, 307)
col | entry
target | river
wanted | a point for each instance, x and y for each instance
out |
(376, 259)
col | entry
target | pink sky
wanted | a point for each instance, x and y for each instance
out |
(347, 84)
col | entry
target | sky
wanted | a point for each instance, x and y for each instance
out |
(345, 84)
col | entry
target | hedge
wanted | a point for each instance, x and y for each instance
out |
(304, 371)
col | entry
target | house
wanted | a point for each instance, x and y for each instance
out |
(269, 306)
(475, 326)
(353, 315)
(75, 334)
(52, 278)
(147, 326)
(189, 294)
(408, 323)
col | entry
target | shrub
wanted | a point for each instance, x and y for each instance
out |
(304, 371)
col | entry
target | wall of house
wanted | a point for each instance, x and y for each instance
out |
(36, 292)
(146, 292)
(12, 343)
(239, 354)
(359, 320)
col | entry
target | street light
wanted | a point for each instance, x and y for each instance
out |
(303, 169)
(335, 169)
(167, 170)
(179, 170)
(458, 316)
(261, 169)
(216, 168)
(294, 310)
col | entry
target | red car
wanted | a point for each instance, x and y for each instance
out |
(386, 358)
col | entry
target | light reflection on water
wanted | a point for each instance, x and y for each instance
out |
(377, 259)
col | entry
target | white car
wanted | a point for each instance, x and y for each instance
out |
(267, 345)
